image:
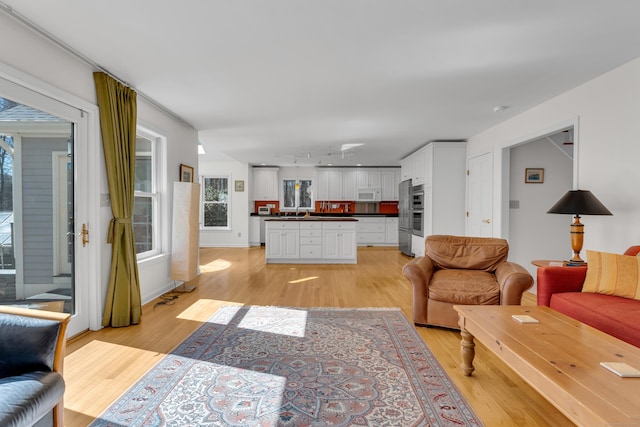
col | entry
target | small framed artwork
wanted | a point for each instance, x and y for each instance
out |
(239, 186)
(534, 175)
(186, 173)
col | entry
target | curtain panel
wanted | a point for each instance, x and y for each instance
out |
(118, 114)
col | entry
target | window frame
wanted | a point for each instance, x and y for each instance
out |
(229, 202)
(155, 194)
(297, 197)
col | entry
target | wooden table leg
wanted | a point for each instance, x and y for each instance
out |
(467, 351)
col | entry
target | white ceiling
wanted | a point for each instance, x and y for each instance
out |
(265, 81)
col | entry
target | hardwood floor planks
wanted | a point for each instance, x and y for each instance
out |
(102, 365)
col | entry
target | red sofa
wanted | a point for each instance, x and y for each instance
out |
(560, 288)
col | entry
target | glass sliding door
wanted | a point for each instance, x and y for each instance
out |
(39, 232)
(36, 208)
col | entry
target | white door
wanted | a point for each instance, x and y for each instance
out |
(49, 194)
(480, 196)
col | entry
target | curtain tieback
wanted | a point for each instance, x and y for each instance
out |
(112, 227)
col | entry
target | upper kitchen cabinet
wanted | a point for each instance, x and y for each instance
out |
(405, 169)
(265, 184)
(349, 181)
(368, 178)
(418, 164)
(336, 184)
(330, 185)
(390, 179)
(322, 185)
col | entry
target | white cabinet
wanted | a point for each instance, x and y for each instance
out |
(310, 240)
(391, 231)
(331, 185)
(371, 231)
(322, 185)
(265, 184)
(349, 184)
(368, 178)
(405, 169)
(418, 160)
(396, 187)
(374, 178)
(339, 241)
(444, 196)
(390, 178)
(254, 231)
(282, 240)
(335, 185)
(428, 163)
(342, 184)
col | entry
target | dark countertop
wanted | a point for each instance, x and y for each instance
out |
(327, 214)
(311, 218)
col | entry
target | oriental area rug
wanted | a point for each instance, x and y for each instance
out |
(278, 366)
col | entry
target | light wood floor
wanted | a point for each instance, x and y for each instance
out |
(102, 365)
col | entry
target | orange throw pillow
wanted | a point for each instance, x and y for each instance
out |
(613, 274)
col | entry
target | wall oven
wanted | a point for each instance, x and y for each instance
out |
(417, 198)
(417, 210)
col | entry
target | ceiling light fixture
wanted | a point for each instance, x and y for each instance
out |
(500, 108)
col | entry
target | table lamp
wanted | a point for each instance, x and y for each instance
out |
(576, 203)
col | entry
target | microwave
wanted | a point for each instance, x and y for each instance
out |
(368, 194)
(263, 210)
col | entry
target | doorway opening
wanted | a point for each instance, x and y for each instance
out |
(541, 170)
(36, 208)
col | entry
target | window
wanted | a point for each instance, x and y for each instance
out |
(297, 194)
(215, 201)
(146, 212)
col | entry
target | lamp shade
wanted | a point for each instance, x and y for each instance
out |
(579, 202)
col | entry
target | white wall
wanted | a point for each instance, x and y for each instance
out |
(30, 53)
(238, 234)
(533, 233)
(608, 110)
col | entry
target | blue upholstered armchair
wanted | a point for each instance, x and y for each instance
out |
(32, 344)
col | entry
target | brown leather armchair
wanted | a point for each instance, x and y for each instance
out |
(463, 271)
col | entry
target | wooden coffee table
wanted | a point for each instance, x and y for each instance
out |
(560, 358)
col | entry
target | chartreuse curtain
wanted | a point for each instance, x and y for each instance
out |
(118, 114)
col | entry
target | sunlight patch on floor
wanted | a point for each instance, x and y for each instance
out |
(215, 265)
(275, 320)
(203, 309)
(304, 279)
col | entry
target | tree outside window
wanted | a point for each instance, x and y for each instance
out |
(300, 197)
(216, 201)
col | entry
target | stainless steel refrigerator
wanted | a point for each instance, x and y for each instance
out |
(405, 228)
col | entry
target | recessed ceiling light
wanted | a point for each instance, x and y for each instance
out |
(359, 164)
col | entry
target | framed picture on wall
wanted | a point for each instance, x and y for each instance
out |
(239, 186)
(534, 175)
(186, 173)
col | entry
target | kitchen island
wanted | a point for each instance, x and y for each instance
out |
(311, 240)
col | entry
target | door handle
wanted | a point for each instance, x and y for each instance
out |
(486, 221)
(85, 235)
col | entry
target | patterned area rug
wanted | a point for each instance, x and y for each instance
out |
(274, 366)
